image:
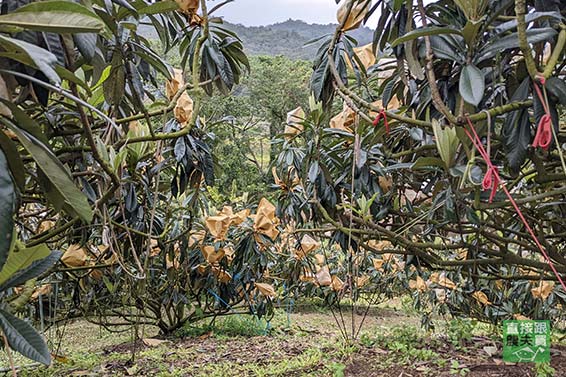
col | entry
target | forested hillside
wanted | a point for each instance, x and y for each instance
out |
(285, 38)
(289, 38)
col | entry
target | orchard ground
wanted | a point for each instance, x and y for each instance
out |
(306, 342)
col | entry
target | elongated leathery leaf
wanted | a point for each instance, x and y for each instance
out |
(7, 207)
(23, 338)
(516, 130)
(73, 200)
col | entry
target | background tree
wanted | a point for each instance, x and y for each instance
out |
(254, 117)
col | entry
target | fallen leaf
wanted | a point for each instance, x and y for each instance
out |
(490, 350)
(44, 226)
(152, 342)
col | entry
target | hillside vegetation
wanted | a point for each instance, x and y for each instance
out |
(289, 38)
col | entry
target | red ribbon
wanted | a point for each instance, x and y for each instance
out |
(493, 180)
(543, 137)
(382, 115)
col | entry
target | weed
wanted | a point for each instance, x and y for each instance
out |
(458, 369)
(366, 340)
(337, 369)
(346, 350)
(460, 331)
(544, 370)
(229, 326)
(309, 360)
(441, 363)
(400, 337)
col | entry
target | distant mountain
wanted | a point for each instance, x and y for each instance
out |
(285, 38)
(288, 38)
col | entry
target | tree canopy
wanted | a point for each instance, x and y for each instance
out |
(442, 174)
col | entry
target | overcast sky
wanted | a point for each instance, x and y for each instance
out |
(265, 12)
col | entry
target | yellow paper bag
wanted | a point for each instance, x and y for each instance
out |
(75, 256)
(212, 255)
(265, 221)
(266, 289)
(294, 124)
(356, 16)
(218, 226)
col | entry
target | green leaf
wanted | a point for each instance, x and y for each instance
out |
(14, 161)
(443, 49)
(35, 269)
(161, 7)
(86, 43)
(535, 16)
(557, 87)
(125, 4)
(516, 130)
(24, 339)
(7, 209)
(472, 84)
(59, 178)
(512, 41)
(470, 31)
(424, 31)
(23, 121)
(428, 163)
(19, 259)
(31, 55)
(54, 16)
(65, 74)
(115, 88)
(447, 143)
(319, 79)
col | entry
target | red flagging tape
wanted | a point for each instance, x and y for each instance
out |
(493, 180)
(382, 115)
(543, 137)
